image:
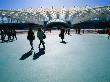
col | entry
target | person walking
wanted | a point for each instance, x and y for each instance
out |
(62, 31)
(31, 37)
(41, 36)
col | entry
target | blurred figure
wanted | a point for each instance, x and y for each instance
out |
(68, 31)
(49, 29)
(108, 33)
(31, 37)
(62, 31)
(14, 34)
(5, 32)
(9, 34)
(41, 36)
(83, 31)
(2, 36)
(78, 29)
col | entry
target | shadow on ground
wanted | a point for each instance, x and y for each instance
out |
(63, 42)
(37, 55)
(26, 55)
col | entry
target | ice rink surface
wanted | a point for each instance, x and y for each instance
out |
(84, 58)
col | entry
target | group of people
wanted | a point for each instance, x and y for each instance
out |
(8, 34)
(41, 36)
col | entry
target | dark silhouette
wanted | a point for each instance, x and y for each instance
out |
(62, 31)
(2, 36)
(41, 36)
(83, 31)
(49, 30)
(7, 32)
(31, 37)
(26, 55)
(63, 42)
(14, 34)
(37, 55)
(108, 33)
(68, 31)
(78, 29)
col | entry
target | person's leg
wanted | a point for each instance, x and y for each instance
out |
(15, 36)
(76, 31)
(62, 40)
(40, 43)
(8, 37)
(43, 44)
(31, 43)
(2, 38)
(62, 37)
(12, 37)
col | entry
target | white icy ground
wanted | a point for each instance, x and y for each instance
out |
(85, 58)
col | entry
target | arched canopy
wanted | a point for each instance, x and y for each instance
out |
(57, 24)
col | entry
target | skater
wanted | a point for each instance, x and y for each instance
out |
(41, 36)
(31, 37)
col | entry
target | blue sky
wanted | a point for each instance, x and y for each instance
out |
(16, 4)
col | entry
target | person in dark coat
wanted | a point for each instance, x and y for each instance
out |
(41, 36)
(62, 32)
(31, 37)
